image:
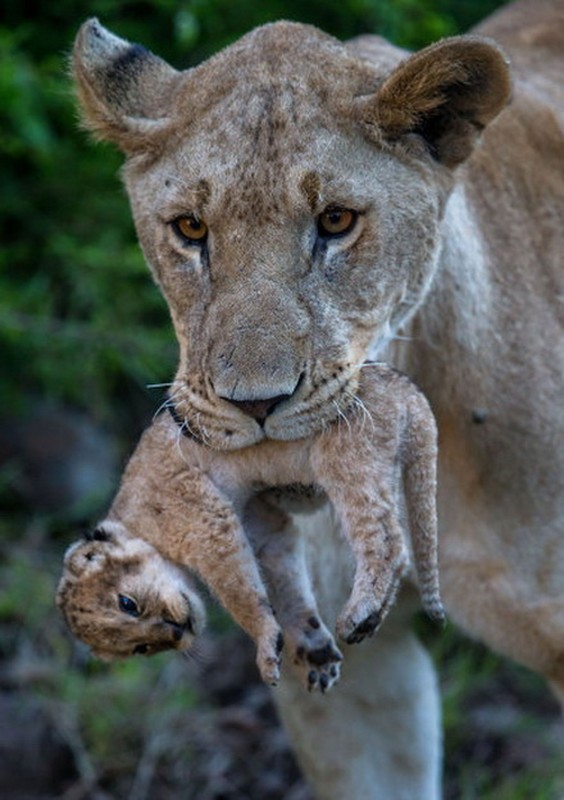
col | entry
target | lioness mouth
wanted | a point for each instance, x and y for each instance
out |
(259, 409)
(185, 429)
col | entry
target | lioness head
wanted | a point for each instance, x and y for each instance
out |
(119, 596)
(288, 196)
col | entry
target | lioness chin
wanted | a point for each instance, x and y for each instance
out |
(298, 201)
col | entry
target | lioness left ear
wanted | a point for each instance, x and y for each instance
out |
(446, 93)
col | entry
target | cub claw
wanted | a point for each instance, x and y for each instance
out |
(268, 658)
(323, 680)
(365, 611)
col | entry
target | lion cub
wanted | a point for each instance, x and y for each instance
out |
(182, 503)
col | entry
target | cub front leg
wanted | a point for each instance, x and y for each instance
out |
(227, 564)
(174, 505)
(279, 547)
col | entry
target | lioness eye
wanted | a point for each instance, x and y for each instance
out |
(190, 229)
(141, 650)
(128, 605)
(336, 222)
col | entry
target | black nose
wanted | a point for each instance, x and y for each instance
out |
(177, 629)
(258, 409)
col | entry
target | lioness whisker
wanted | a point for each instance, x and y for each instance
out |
(341, 415)
(365, 364)
(167, 402)
(178, 440)
(204, 433)
(366, 415)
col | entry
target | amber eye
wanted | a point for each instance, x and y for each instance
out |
(191, 229)
(336, 222)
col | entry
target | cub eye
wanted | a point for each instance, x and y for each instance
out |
(128, 606)
(141, 650)
(336, 222)
(190, 229)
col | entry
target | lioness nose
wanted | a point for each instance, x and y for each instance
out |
(258, 409)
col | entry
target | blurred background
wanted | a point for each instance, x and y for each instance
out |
(84, 342)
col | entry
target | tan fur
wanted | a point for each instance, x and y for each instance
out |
(182, 498)
(467, 259)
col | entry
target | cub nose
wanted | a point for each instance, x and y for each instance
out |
(176, 628)
(258, 409)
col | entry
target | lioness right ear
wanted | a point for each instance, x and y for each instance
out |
(125, 91)
(447, 94)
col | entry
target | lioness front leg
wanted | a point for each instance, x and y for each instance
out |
(279, 547)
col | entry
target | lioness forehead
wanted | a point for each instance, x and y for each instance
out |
(278, 100)
(279, 56)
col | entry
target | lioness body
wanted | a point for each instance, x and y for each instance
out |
(468, 255)
(487, 348)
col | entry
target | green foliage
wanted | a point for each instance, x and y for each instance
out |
(78, 314)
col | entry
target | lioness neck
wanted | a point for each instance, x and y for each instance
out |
(477, 348)
(456, 317)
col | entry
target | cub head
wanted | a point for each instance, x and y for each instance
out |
(288, 196)
(118, 595)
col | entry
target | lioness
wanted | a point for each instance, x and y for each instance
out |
(181, 501)
(298, 201)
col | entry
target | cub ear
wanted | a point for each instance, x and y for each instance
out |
(125, 91)
(447, 94)
(99, 534)
(86, 555)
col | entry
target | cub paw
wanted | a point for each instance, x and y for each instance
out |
(365, 612)
(315, 655)
(354, 628)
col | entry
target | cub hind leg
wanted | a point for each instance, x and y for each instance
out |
(279, 548)
(369, 476)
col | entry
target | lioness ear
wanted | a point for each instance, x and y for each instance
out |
(447, 94)
(125, 91)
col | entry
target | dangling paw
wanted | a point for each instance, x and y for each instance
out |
(367, 607)
(269, 649)
(314, 654)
